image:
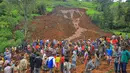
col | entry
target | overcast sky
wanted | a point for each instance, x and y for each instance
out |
(118, 0)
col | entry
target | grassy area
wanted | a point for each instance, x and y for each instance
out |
(90, 6)
(33, 15)
(111, 71)
(91, 12)
(118, 32)
(49, 9)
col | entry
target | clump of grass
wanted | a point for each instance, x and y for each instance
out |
(110, 71)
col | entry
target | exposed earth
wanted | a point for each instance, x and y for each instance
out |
(65, 23)
(69, 24)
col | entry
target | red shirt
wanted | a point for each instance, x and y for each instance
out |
(60, 43)
(54, 56)
(108, 40)
(62, 59)
(114, 41)
(83, 47)
(37, 47)
(92, 47)
(75, 48)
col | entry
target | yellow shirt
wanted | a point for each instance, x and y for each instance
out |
(3, 59)
(57, 59)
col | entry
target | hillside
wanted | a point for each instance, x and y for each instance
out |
(64, 23)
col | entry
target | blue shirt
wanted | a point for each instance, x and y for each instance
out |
(109, 52)
(41, 42)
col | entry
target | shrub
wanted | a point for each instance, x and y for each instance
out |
(6, 33)
(19, 35)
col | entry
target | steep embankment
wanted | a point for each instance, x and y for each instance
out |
(64, 23)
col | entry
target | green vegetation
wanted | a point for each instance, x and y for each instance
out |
(91, 12)
(110, 71)
(90, 6)
(49, 9)
(118, 32)
(113, 16)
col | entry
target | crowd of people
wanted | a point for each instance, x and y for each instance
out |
(55, 56)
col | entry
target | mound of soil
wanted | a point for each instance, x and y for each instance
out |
(64, 23)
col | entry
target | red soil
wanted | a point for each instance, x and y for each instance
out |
(63, 23)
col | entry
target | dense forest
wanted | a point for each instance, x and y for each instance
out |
(16, 15)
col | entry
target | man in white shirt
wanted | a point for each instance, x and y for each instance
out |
(8, 69)
(51, 63)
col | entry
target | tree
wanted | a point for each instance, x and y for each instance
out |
(127, 15)
(1, 1)
(104, 4)
(64, 0)
(108, 19)
(25, 7)
(128, 1)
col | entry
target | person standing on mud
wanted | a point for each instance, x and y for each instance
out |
(67, 66)
(109, 53)
(8, 69)
(116, 56)
(124, 59)
(62, 63)
(90, 65)
(51, 63)
(32, 57)
(23, 64)
(37, 64)
(97, 61)
(57, 59)
(74, 58)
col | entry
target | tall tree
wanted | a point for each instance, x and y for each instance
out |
(25, 8)
(1, 1)
(108, 19)
(127, 16)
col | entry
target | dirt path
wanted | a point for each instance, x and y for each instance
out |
(75, 21)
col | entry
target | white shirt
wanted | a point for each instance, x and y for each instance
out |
(79, 49)
(42, 51)
(44, 55)
(8, 69)
(51, 57)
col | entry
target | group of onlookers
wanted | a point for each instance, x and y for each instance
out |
(63, 56)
